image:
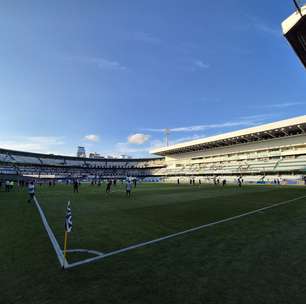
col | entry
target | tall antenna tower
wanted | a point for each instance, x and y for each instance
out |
(167, 132)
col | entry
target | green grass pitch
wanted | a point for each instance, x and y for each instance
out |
(256, 259)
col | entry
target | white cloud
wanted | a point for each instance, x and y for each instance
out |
(92, 138)
(138, 138)
(200, 64)
(100, 62)
(39, 144)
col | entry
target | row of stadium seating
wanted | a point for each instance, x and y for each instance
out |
(11, 158)
(69, 172)
(245, 167)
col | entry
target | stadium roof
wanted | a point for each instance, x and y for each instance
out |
(283, 128)
(293, 19)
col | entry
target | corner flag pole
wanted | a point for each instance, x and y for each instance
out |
(65, 244)
(68, 228)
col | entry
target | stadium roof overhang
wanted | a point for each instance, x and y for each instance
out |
(284, 128)
(294, 29)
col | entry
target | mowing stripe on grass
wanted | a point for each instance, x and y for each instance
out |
(90, 260)
(52, 238)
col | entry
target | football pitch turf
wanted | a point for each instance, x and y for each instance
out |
(259, 258)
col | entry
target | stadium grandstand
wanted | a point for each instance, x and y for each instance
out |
(274, 152)
(17, 164)
(267, 153)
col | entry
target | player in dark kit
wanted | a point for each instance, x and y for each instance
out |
(75, 186)
(108, 187)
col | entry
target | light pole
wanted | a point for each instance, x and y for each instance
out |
(167, 132)
(298, 7)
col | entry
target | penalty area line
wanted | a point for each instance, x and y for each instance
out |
(169, 236)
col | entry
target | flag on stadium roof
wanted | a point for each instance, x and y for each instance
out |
(68, 219)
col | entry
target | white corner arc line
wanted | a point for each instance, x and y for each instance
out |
(86, 251)
(90, 260)
(63, 262)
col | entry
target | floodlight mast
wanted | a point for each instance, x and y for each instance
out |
(298, 7)
(167, 132)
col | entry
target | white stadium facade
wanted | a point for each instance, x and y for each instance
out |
(259, 154)
(262, 154)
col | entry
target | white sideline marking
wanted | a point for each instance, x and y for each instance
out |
(86, 261)
(52, 238)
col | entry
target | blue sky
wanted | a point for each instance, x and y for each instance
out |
(111, 75)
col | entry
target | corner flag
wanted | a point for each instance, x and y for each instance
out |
(68, 228)
(68, 219)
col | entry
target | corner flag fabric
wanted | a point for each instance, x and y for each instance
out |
(68, 219)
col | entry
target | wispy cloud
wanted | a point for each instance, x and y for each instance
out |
(196, 128)
(145, 37)
(136, 150)
(282, 105)
(138, 138)
(187, 138)
(100, 62)
(92, 138)
(39, 144)
(245, 121)
(263, 27)
(126, 148)
(267, 29)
